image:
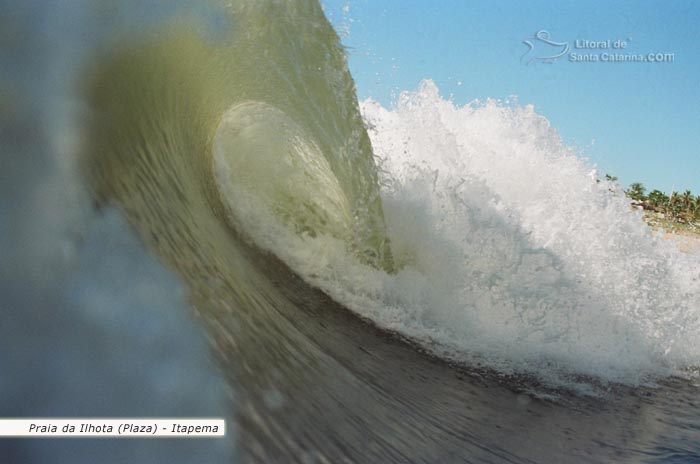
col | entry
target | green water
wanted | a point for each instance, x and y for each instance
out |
(156, 102)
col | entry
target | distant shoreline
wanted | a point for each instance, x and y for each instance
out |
(674, 217)
(687, 236)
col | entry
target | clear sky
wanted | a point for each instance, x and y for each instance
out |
(637, 120)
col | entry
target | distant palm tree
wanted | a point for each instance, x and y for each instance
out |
(657, 199)
(675, 205)
(636, 191)
(687, 203)
(695, 215)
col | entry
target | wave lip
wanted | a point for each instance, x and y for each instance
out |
(555, 271)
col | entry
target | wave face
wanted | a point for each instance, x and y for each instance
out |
(237, 148)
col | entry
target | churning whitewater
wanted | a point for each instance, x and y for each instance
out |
(509, 252)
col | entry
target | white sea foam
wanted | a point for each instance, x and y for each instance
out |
(510, 253)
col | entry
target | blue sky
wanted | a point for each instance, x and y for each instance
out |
(643, 117)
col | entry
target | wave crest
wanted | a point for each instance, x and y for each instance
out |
(509, 252)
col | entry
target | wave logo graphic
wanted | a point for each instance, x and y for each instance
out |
(542, 49)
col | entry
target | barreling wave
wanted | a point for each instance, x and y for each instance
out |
(336, 282)
(488, 241)
(508, 251)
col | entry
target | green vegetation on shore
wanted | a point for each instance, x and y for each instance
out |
(676, 212)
